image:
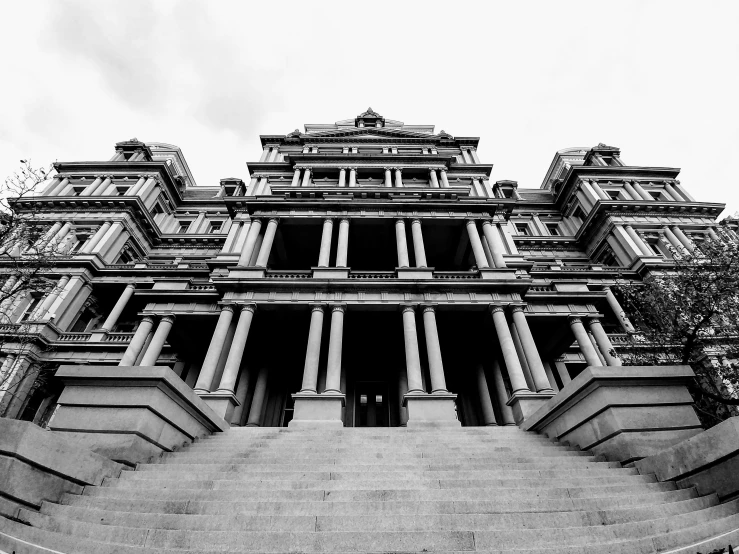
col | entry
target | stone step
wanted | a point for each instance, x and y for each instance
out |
(357, 541)
(243, 473)
(307, 507)
(376, 522)
(144, 480)
(272, 457)
(139, 490)
(397, 439)
(386, 450)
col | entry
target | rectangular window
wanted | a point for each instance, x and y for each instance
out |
(121, 191)
(215, 227)
(655, 248)
(184, 226)
(523, 229)
(553, 229)
(656, 195)
(30, 308)
(613, 194)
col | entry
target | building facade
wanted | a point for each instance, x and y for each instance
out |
(368, 274)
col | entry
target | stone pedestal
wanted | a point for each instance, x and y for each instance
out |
(330, 272)
(502, 274)
(246, 273)
(318, 410)
(431, 410)
(415, 272)
(222, 403)
(524, 404)
(131, 414)
(623, 412)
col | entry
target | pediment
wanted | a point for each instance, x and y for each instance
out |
(374, 133)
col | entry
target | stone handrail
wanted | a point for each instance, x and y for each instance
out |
(372, 275)
(456, 275)
(288, 274)
(118, 337)
(74, 337)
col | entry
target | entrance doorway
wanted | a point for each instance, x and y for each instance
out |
(371, 406)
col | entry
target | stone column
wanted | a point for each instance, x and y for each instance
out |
(599, 191)
(352, 176)
(674, 241)
(492, 234)
(538, 373)
(433, 179)
(51, 297)
(257, 400)
(398, 177)
(513, 365)
(633, 195)
(673, 193)
(296, 178)
(564, 375)
(251, 241)
(618, 310)
(597, 351)
(476, 243)
(269, 237)
(236, 352)
(325, 251)
(132, 191)
(603, 342)
(412, 354)
(342, 247)
(57, 190)
(96, 238)
(210, 364)
(583, 341)
(684, 193)
(682, 237)
(638, 241)
(336, 337)
(90, 189)
(157, 341)
(402, 391)
(120, 305)
(444, 178)
(643, 193)
(486, 404)
(388, 177)
(342, 177)
(401, 243)
(501, 395)
(418, 248)
(433, 350)
(713, 235)
(313, 352)
(307, 177)
(137, 342)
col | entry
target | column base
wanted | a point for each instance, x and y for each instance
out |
(415, 272)
(495, 274)
(221, 402)
(431, 410)
(526, 403)
(330, 272)
(318, 410)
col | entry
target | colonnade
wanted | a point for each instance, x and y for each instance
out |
(103, 185)
(348, 177)
(633, 190)
(671, 236)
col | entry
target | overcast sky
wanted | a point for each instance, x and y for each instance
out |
(660, 80)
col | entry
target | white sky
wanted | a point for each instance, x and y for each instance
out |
(660, 80)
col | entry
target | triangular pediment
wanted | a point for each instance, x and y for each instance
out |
(374, 133)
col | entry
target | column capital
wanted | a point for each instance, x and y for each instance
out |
(129, 285)
(407, 308)
(227, 308)
(444, 169)
(428, 308)
(340, 307)
(275, 219)
(399, 220)
(318, 307)
(496, 308)
(517, 308)
(594, 319)
(416, 220)
(574, 319)
(169, 317)
(469, 221)
(251, 307)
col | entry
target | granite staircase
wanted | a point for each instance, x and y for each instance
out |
(484, 489)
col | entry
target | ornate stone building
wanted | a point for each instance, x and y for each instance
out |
(368, 274)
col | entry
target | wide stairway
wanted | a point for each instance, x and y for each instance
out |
(377, 490)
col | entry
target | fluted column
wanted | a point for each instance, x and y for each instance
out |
(476, 243)
(296, 178)
(583, 341)
(342, 247)
(501, 395)
(434, 180)
(683, 238)
(336, 337)
(257, 400)
(269, 237)
(538, 373)
(210, 364)
(418, 247)
(251, 241)
(342, 177)
(137, 341)
(388, 177)
(325, 252)
(603, 342)
(307, 177)
(120, 305)
(398, 177)
(402, 245)
(495, 242)
(433, 350)
(618, 310)
(352, 176)
(638, 241)
(444, 178)
(313, 352)
(157, 341)
(236, 352)
(412, 354)
(486, 404)
(510, 356)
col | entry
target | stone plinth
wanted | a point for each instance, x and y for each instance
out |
(415, 273)
(222, 403)
(431, 410)
(318, 410)
(502, 274)
(131, 414)
(330, 272)
(622, 412)
(524, 404)
(708, 461)
(38, 465)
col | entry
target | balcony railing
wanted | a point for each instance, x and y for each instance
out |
(118, 337)
(272, 274)
(456, 275)
(74, 337)
(373, 275)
